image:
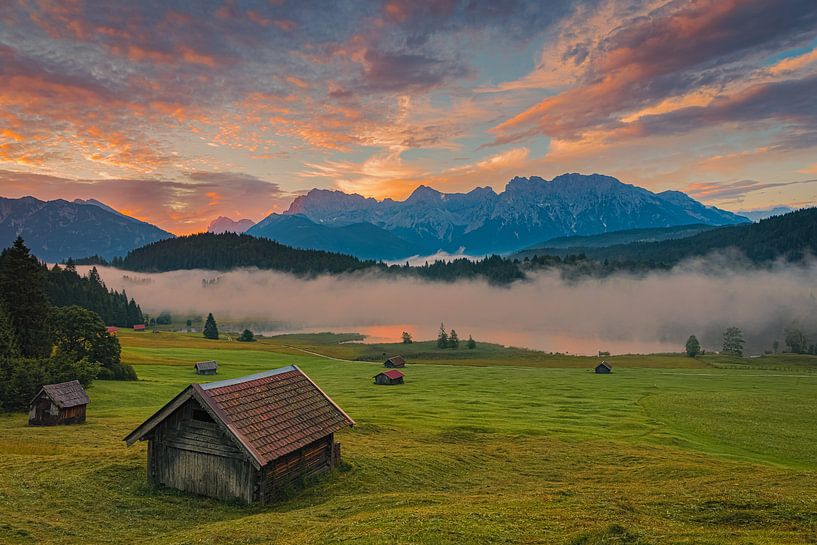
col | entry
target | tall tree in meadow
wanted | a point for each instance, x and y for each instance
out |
(471, 344)
(407, 338)
(442, 338)
(453, 340)
(24, 293)
(210, 327)
(795, 340)
(733, 341)
(693, 347)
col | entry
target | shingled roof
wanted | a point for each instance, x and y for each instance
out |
(397, 361)
(269, 414)
(392, 374)
(65, 394)
(206, 365)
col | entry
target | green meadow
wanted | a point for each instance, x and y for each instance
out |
(489, 446)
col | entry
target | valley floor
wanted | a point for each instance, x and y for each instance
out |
(526, 448)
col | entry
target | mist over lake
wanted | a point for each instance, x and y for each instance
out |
(622, 313)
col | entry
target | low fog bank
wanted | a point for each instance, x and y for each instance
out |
(621, 313)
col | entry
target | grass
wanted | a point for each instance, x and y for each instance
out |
(531, 449)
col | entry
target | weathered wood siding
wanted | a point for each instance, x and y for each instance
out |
(44, 412)
(190, 454)
(386, 381)
(291, 469)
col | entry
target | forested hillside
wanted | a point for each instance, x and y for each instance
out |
(790, 237)
(229, 251)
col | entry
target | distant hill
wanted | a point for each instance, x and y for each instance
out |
(224, 224)
(57, 230)
(228, 251)
(528, 211)
(576, 245)
(757, 215)
(362, 240)
(792, 236)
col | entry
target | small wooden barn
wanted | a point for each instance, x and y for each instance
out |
(389, 378)
(249, 438)
(206, 367)
(111, 330)
(604, 368)
(139, 327)
(62, 403)
(395, 361)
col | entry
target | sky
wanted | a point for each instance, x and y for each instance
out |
(176, 112)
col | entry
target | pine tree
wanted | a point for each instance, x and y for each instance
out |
(24, 293)
(8, 342)
(210, 327)
(246, 336)
(407, 338)
(442, 338)
(733, 341)
(693, 347)
(453, 340)
(471, 344)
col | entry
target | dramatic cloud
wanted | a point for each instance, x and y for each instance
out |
(378, 97)
(176, 206)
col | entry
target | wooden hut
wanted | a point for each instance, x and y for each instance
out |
(248, 438)
(389, 378)
(395, 361)
(62, 403)
(111, 330)
(604, 368)
(206, 367)
(139, 327)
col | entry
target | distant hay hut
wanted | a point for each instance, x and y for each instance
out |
(249, 439)
(604, 354)
(56, 404)
(206, 367)
(389, 378)
(139, 327)
(395, 361)
(111, 330)
(604, 368)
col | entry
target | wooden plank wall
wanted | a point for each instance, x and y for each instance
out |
(197, 457)
(291, 469)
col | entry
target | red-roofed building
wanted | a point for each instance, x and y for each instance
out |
(111, 330)
(248, 438)
(139, 327)
(390, 377)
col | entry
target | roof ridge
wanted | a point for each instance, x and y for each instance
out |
(248, 378)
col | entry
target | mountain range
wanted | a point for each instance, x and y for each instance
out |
(59, 229)
(528, 212)
(224, 224)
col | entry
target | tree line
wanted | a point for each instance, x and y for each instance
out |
(43, 342)
(733, 342)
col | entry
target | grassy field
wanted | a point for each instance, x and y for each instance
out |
(497, 446)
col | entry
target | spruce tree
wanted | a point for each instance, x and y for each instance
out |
(453, 340)
(8, 342)
(693, 347)
(210, 327)
(442, 338)
(24, 293)
(733, 341)
(471, 344)
(246, 336)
